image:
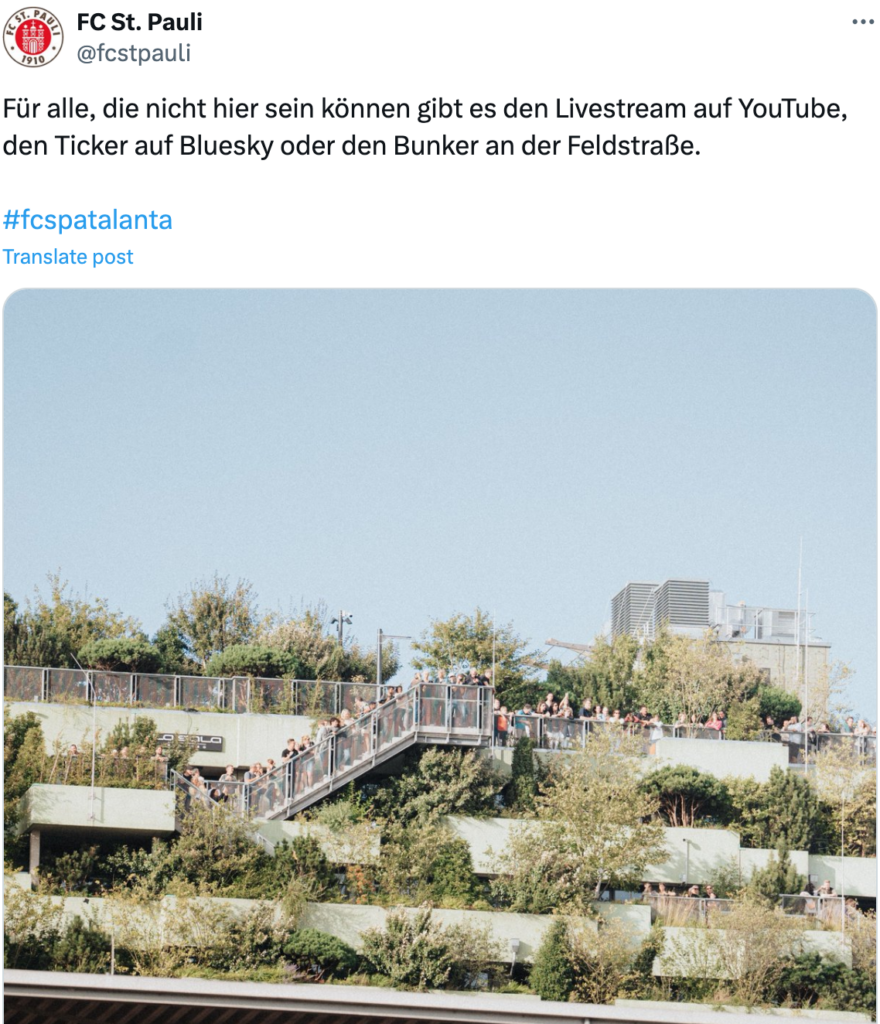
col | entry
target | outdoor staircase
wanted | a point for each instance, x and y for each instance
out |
(429, 714)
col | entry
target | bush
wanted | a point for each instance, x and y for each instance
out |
(82, 948)
(120, 654)
(778, 878)
(602, 962)
(779, 704)
(811, 980)
(409, 951)
(252, 660)
(440, 782)
(686, 794)
(139, 736)
(525, 774)
(320, 955)
(552, 976)
(302, 856)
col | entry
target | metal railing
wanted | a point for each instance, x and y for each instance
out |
(557, 733)
(207, 795)
(236, 694)
(829, 911)
(804, 745)
(684, 910)
(138, 772)
(428, 713)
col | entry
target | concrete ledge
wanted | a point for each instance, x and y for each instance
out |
(113, 811)
(66, 996)
(739, 758)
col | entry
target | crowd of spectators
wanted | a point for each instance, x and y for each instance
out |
(565, 723)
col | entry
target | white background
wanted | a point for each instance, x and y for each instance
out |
(768, 203)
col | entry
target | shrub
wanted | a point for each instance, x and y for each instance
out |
(82, 948)
(601, 962)
(120, 654)
(320, 955)
(779, 704)
(139, 736)
(552, 976)
(440, 782)
(525, 775)
(424, 862)
(252, 660)
(302, 856)
(812, 980)
(70, 872)
(409, 951)
(686, 794)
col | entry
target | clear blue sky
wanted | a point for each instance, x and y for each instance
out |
(409, 454)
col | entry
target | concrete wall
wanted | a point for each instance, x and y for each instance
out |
(348, 921)
(246, 738)
(133, 811)
(249, 738)
(695, 855)
(739, 758)
(360, 846)
(856, 876)
(690, 951)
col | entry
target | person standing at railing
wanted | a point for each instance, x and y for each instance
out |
(458, 709)
(289, 760)
(586, 709)
(861, 732)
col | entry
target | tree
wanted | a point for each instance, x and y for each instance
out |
(24, 750)
(212, 616)
(693, 676)
(777, 703)
(172, 652)
(254, 661)
(462, 642)
(120, 654)
(525, 773)
(686, 794)
(49, 632)
(846, 784)
(316, 652)
(437, 783)
(606, 677)
(778, 878)
(552, 976)
(783, 809)
(595, 828)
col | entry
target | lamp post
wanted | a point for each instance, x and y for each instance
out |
(384, 636)
(342, 620)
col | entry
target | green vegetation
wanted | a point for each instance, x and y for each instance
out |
(120, 654)
(462, 642)
(786, 809)
(552, 975)
(49, 631)
(685, 795)
(595, 828)
(591, 821)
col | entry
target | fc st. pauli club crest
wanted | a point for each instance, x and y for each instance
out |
(33, 37)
